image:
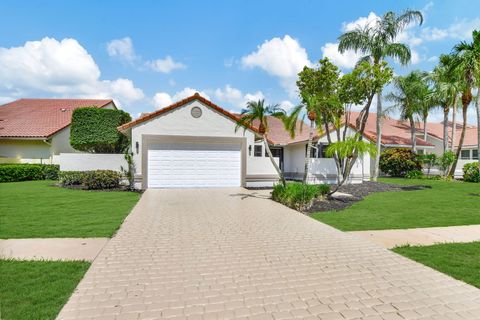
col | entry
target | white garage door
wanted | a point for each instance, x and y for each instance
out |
(187, 165)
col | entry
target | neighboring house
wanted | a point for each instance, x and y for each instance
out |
(34, 130)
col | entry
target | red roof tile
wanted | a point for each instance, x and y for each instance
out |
(40, 118)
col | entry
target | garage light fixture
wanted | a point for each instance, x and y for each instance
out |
(136, 146)
(250, 150)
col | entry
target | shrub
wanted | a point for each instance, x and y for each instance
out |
(71, 178)
(414, 174)
(102, 179)
(297, 195)
(429, 161)
(26, 172)
(95, 130)
(471, 172)
(396, 162)
(445, 161)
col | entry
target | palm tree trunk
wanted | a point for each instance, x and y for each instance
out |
(445, 128)
(477, 107)
(454, 123)
(460, 143)
(275, 165)
(307, 156)
(379, 135)
(425, 129)
(413, 131)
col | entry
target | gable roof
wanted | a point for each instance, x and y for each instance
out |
(435, 129)
(40, 118)
(196, 96)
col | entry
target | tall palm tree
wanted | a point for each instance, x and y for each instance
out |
(257, 112)
(446, 86)
(467, 61)
(377, 42)
(408, 98)
(310, 109)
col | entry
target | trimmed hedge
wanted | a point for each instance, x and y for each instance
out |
(471, 172)
(91, 180)
(95, 130)
(13, 172)
(297, 195)
(397, 162)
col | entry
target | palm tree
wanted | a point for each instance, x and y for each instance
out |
(446, 86)
(309, 108)
(378, 42)
(408, 98)
(258, 112)
(467, 61)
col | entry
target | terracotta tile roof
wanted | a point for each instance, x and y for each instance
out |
(435, 129)
(279, 136)
(40, 118)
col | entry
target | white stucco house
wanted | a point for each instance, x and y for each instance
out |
(193, 143)
(35, 130)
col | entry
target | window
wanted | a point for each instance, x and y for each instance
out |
(257, 151)
(465, 154)
(313, 151)
(322, 150)
(420, 151)
(276, 152)
(475, 154)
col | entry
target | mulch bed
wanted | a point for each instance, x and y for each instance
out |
(358, 192)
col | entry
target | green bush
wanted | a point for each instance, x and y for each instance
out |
(95, 130)
(25, 172)
(445, 161)
(471, 172)
(396, 162)
(429, 161)
(102, 179)
(71, 178)
(297, 195)
(414, 174)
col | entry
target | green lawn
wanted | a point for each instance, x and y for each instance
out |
(37, 290)
(39, 209)
(459, 260)
(445, 204)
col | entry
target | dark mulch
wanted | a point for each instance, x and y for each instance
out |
(358, 192)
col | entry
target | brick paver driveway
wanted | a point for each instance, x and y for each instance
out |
(225, 254)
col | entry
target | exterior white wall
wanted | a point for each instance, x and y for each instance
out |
(61, 142)
(25, 151)
(89, 161)
(180, 122)
(323, 170)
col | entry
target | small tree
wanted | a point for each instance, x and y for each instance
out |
(445, 161)
(429, 161)
(257, 111)
(129, 171)
(95, 130)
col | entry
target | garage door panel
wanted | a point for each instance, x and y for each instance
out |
(194, 165)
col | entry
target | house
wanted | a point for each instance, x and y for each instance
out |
(34, 130)
(194, 143)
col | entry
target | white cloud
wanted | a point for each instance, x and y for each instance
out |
(58, 68)
(165, 65)
(163, 99)
(459, 30)
(432, 59)
(286, 105)
(348, 59)
(122, 49)
(281, 58)
(361, 22)
(235, 97)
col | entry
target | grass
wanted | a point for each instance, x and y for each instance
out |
(459, 260)
(35, 209)
(37, 289)
(445, 204)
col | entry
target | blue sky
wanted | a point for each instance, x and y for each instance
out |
(146, 54)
